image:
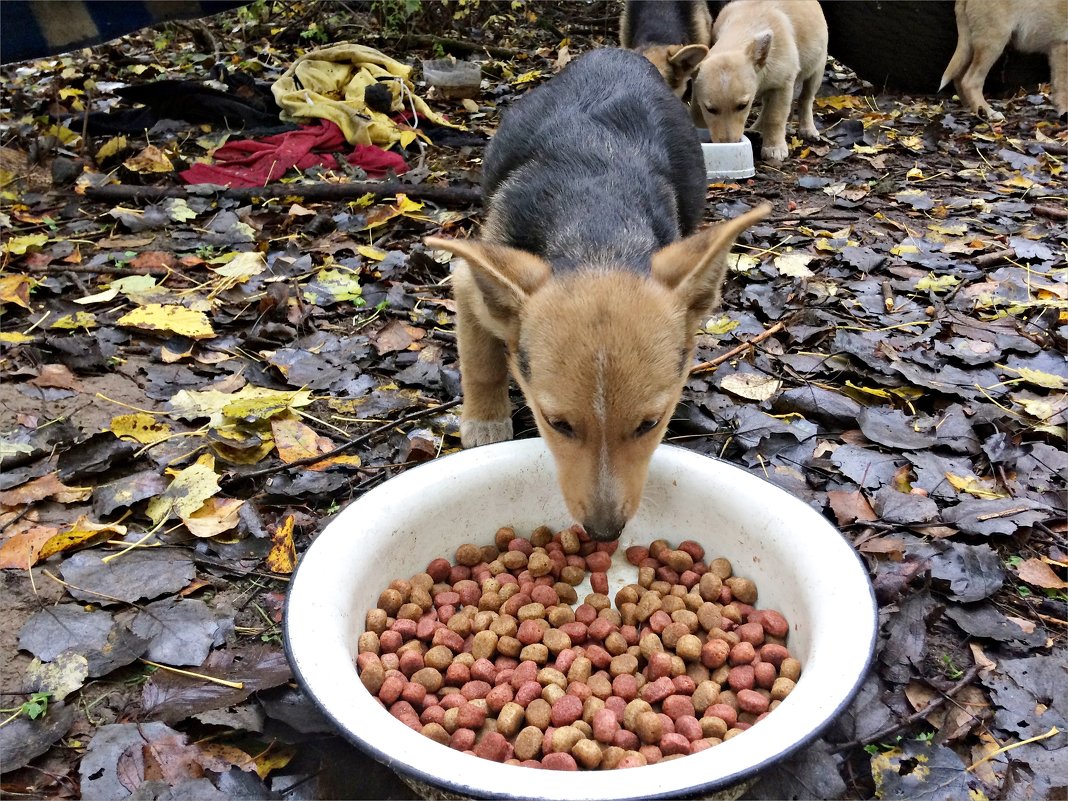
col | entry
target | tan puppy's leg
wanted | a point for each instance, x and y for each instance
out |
(806, 125)
(1058, 67)
(773, 117)
(483, 372)
(984, 53)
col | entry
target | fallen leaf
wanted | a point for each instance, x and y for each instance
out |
(142, 427)
(149, 160)
(1037, 573)
(849, 507)
(751, 385)
(18, 245)
(82, 531)
(283, 555)
(214, 517)
(15, 289)
(60, 677)
(174, 319)
(188, 491)
(48, 486)
(20, 550)
(56, 376)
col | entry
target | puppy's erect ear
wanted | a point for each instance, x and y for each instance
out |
(694, 267)
(759, 48)
(504, 276)
(686, 59)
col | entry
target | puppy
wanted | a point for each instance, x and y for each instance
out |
(985, 27)
(761, 49)
(673, 34)
(582, 285)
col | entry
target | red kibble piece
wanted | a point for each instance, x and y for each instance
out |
(559, 762)
(650, 562)
(752, 702)
(775, 624)
(665, 573)
(598, 562)
(544, 595)
(457, 674)
(626, 739)
(390, 641)
(530, 763)
(512, 606)
(504, 676)
(527, 692)
(483, 670)
(391, 689)
(505, 663)
(433, 714)
(625, 686)
(658, 666)
(475, 689)
(630, 634)
(689, 727)
(469, 591)
(600, 628)
(677, 706)
(448, 598)
(741, 677)
(659, 620)
(453, 700)
(728, 714)
(584, 613)
(580, 690)
(446, 612)
(410, 661)
(426, 627)
(401, 710)
(529, 632)
(597, 655)
(693, 548)
(414, 693)
(470, 716)
(524, 672)
(599, 582)
(742, 654)
(565, 659)
(390, 661)
(439, 570)
(498, 697)
(405, 627)
(522, 545)
(751, 633)
(604, 725)
(458, 573)
(566, 710)
(689, 578)
(636, 554)
(674, 743)
(764, 674)
(493, 746)
(774, 653)
(656, 691)
(652, 753)
(365, 659)
(699, 745)
(575, 630)
(684, 685)
(725, 596)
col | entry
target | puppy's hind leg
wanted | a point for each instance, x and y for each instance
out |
(1058, 66)
(806, 125)
(984, 54)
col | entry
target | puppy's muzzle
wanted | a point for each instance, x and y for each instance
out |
(605, 528)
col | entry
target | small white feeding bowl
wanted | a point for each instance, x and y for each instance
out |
(802, 567)
(453, 78)
(726, 161)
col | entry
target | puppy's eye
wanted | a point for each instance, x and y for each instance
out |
(562, 427)
(741, 106)
(712, 110)
(646, 427)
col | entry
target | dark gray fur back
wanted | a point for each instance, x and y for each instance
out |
(599, 167)
(661, 22)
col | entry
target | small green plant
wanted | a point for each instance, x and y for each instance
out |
(949, 667)
(34, 708)
(315, 33)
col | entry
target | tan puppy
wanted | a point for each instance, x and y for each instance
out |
(986, 27)
(673, 34)
(762, 49)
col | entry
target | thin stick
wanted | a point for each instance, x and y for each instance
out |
(1051, 733)
(918, 715)
(1052, 212)
(705, 366)
(352, 443)
(460, 195)
(237, 685)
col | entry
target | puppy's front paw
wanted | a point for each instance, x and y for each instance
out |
(990, 115)
(775, 151)
(485, 432)
(809, 134)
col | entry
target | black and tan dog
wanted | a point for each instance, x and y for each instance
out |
(582, 284)
(673, 34)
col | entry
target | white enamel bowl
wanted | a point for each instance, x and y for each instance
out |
(726, 161)
(801, 564)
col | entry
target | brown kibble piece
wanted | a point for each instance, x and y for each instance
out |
(790, 669)
(781, 688)
(528, 743)
(649, 727)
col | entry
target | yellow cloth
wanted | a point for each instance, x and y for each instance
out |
(329, 84)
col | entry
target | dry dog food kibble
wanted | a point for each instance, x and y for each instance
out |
(488, 655)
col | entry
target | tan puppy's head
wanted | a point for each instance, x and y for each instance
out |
(675, 63)
(726, 85)
(600, 355)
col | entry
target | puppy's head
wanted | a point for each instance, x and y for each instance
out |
(601, 355)
(675, 63)
(726, 85)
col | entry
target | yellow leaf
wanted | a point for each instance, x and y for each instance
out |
(112, 147)
(751, 386)
(142, 427)
(295, 441)
(14, 337)
(188, 492)
(794, 264)
(150, 160)
(131, 286)
(974, 486)
(742, 262)
(214, 517)
(336, 284)
(175, 319)
(15, 289)
(527, 77)
(277, 756)
(933, 283)
(82, 532)
(1042, 408)
(914, 174)
(406, 205)
(368, 252)
(407, 137)
(241, 266)
(84, 320)
(20, 244)
(840, 102)
(259, 403)
(721, 325)
(282, 557)
(1037, 377)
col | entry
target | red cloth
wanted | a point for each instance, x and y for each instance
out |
(251, 162)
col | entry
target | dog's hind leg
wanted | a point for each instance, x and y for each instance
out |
(1058, 66)
(985, 51)
(806, 125)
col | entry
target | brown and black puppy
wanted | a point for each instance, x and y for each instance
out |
(986, 27)
(589, 283)
(673, 34)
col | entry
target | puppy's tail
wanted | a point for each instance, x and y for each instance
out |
(962, 56)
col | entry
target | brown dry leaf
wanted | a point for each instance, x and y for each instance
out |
(295, 440)
(57, 376)
(848, 507)
(985, 770)
(885, 545)
(214, 517)
(1039, 574)
(396, 336)
(1027, 626)
(283, 555)
(15, 289)
(154, 258)
(171, 758)
(964, 712)
(39, 489)
(275, 757)
(981, 659)
(82, 532)
(21, 550)
(220, 757)
(151, 160)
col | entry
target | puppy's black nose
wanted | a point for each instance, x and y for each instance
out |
(604, 531)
